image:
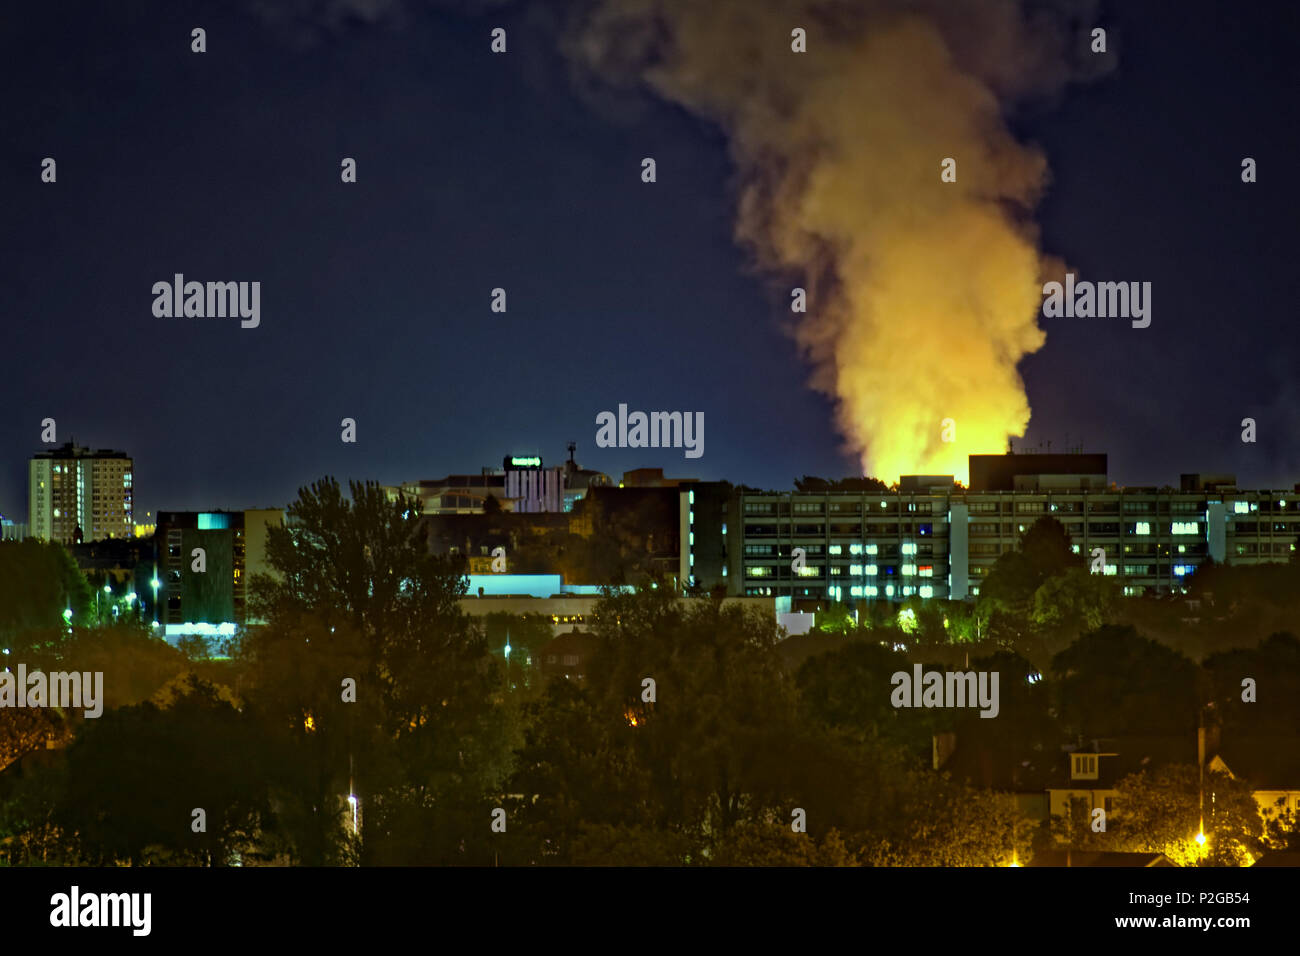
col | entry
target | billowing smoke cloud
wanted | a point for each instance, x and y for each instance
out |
(923, 295)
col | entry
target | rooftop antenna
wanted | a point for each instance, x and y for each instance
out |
(572, 448)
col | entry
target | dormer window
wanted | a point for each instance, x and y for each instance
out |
(1084, 767)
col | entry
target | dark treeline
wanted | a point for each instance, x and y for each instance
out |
(370, 721)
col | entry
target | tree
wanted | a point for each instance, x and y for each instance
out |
(432, 733)
(1114, 680)
(1073, 602)
(720, 743)
(1159, 811)
(1044, 552)
(947, 824)
(135, 777)
(1275, 667)
(848, 689)
(38, 582)
(776, 844)
(297, 670)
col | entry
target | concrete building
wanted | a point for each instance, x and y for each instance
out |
(930, 539)
(521, 485)
(569, 606)
(531, 488)
(211, 602)
(75, 494)
(12, 530)
(457, 494)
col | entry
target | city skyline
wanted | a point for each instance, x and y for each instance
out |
(376, 296)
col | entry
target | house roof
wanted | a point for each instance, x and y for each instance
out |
(1121, 756)
(1267, 763)
(572, 642)
(1000, 767)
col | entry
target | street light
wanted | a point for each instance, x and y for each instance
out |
(107, 590)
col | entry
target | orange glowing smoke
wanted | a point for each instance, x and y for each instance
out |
(922, 295)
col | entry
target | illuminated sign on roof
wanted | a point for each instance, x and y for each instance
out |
(533, 462)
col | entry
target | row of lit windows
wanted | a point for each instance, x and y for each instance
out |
(871, 590)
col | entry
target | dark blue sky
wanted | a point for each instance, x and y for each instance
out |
(478, 171)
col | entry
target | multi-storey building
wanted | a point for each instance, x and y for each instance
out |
(75, 494)
(521, 485)
(929, 538)
(210, 601)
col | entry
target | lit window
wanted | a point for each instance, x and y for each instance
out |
(926, 591)
(835, 549)
(909, 548)
(1185, 527)
(1143, 527)
(872, 549)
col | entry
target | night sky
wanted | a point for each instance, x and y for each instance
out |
(477, 171)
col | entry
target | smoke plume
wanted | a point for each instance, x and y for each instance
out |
(922, 295)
